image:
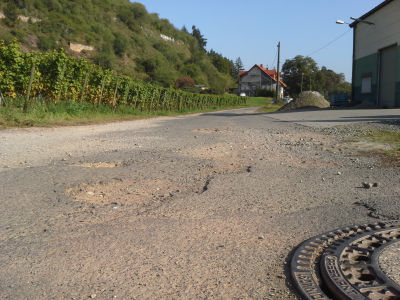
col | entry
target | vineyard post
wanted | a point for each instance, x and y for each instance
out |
(127, 88)
(115, 94)
(28, 94)
(84, 86)
(151, 102)
(60, 79)
(103, 82)
(2, 101)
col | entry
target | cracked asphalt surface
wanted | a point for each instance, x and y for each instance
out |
(202, 206)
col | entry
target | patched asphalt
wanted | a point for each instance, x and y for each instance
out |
(209, 205)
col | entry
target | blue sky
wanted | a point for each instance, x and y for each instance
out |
(251, 29)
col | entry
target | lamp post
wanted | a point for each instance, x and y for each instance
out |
(340, 22)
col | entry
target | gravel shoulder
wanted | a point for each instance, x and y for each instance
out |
(202, 206)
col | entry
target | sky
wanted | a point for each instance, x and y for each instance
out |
(252, 29)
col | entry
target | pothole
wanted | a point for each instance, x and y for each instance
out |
(99, 165)
(211, 130)
(343, 264)
(123, 192)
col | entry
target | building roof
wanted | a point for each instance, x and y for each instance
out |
(271, 73)
(384, 3)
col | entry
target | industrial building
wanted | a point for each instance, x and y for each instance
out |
(376, 56)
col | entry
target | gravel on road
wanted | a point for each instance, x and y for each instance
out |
(202, 206)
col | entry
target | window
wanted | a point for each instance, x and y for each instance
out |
(366, 84)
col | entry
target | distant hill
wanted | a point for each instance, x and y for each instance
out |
(119, 35)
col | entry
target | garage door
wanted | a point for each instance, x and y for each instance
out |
(387, 82)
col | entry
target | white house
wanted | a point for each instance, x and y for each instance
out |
(258, 78)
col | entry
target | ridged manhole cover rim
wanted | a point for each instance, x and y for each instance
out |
(310, 256)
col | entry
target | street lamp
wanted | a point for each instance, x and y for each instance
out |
(340, 22)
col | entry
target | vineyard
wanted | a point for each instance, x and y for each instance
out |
(55, 78)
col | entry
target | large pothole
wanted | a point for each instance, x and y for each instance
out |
(123, 192)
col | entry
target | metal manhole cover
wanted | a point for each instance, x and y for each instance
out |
(344, 264)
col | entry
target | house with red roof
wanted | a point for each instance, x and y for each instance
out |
(259, 78)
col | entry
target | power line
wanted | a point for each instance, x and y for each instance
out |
(273, 62)
(330, 43)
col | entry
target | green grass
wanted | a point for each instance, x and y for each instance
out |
(265, 103)
(71, 113)
(386, 137)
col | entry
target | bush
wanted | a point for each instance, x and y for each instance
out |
(120, 44)
(46, 43)
(265, 93)
(184, 82)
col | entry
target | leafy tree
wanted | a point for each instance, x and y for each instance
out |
(46, 43)
(139, 10)
(293, 69)
(11, 12)
(343, 88)
(328, 80)
(322, 80)
(199, 37)
(120, 44)
(184, 82)
(223, 64)
(149, 65)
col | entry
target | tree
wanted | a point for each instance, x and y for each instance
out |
(184, 82)
(322, 80)
(329, 80)
(199, 37)
(238, 67)
(343, 88)
(120, 44)
(223, 64)
(294, 69)
(11, 12)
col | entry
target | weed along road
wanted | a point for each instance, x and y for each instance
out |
(203, 206)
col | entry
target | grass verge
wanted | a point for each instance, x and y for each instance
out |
(390, 138)
(71, 113)
(266, 104)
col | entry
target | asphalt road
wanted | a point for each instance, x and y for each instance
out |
(202, 206)
(328, 118)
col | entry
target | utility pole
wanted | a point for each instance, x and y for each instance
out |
(310, 83)
(277, 73)
(302, 78)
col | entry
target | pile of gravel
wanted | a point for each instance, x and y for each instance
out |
(307, 100)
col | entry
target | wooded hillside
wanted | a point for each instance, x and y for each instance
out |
(118, 35)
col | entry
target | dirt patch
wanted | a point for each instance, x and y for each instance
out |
(211, 130)
(386, 153)
(99, 165)
(223, 158)
(126, 192)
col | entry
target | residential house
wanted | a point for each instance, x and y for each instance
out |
(259, 77)
(376, 56)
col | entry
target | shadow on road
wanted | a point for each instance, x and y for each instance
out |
(230, 114)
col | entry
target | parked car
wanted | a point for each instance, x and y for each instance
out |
(287, 100)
